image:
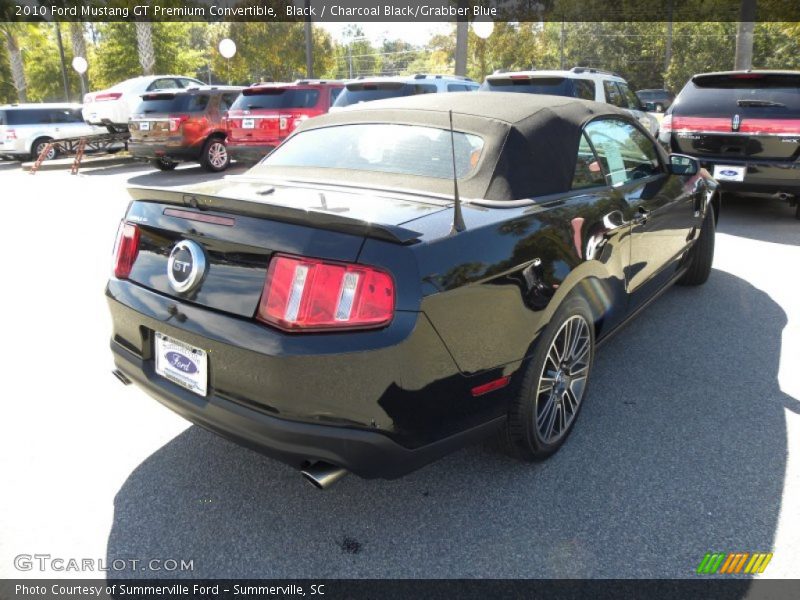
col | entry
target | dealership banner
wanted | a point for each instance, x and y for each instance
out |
(400, 589)
(399, 10)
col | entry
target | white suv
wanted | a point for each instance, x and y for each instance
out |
(377, 88)
(113, 107)
(579, 82)
(25, 129)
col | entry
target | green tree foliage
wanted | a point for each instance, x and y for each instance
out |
(116, 57)
(8, 93)
(270, 52)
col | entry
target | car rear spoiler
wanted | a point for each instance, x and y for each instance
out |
(254, 208)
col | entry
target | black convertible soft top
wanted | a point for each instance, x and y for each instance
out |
(530, 141)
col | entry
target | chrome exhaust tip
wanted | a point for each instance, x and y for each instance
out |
(121, 376)
(323, 475)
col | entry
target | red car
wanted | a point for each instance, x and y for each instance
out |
(265, 114)
(170, 126)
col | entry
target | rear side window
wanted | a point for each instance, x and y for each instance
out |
(584, 88)
(335, 94)
(457, 87)
(613, 94)
(227, 101)
(626, 153)
(29, 116)
(630, 98)
(388, 148)
(165, 103)
(65, 115)
(275, 97)
(588, 172)
(165, 83)
(751, 94)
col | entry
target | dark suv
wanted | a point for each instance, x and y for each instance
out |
(179, 125)
(744, 126)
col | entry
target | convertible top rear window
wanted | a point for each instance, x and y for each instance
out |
(389, 148)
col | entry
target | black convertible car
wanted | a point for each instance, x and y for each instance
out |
(398, 280)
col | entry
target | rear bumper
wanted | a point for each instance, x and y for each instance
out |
(250, 153)
(367, 454)
(173, 150)
(379, 404)
(761, 176)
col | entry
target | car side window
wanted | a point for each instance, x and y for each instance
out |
(165, 83)
(613, 95)
(633, 101)
(584, 88)
(227, 101)
(199, 102)
(456, 87)
(588, 172)
(626, 153)
(335, 94)
(423, 88)
(187, 83)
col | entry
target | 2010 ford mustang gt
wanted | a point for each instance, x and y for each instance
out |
(398, 280)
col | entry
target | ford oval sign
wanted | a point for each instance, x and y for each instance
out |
(728, 173)
(181, 362)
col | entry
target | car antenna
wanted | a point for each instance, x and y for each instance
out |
(458, 218)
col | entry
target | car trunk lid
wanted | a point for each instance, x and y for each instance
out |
(267, 114)
(163, 115)
(240, 223)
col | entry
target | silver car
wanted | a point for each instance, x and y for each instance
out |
(25, 129)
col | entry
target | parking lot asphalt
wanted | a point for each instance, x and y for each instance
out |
(689, 440)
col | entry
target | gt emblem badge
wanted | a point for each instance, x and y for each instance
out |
(186, 266)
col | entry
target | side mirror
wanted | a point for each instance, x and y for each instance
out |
(683, 165)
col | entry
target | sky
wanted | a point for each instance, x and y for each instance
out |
(414, 33)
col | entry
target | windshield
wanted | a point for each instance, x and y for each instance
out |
(751, 94)
(261, 98)
(388, 148)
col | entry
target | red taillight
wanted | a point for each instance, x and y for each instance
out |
(666, 124)
(125, 250)
(310, 294)
(107, 96)
(519, 76)
(175, 122)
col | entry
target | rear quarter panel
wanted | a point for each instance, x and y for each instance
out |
(490, 291)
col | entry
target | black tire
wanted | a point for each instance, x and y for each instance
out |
(529, 420)
(38, 145)
(215, 157)
(702, 253)
(164, 164)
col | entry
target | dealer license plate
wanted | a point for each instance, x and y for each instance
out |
(181, 363)
(248, 123)
(144, 126)
(729, 173)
